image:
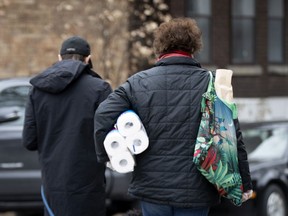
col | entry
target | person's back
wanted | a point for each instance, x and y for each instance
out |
(59, 124)
(167, 98)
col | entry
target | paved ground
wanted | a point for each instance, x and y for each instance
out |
(7, 214)
(13, 214)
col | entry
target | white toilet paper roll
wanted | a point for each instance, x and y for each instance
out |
(123, 162)
(138, 142)
(128, 123)
(114, 143)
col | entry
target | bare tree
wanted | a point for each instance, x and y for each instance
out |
(144, 19)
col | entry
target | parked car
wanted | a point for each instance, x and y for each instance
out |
(267, 147)
(20, 176)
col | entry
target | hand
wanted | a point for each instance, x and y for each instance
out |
(247, 195)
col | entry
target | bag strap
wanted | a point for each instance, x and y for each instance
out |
(209, 89)
(210, 82)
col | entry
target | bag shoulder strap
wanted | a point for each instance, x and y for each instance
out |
(207, 95)
(210, 85)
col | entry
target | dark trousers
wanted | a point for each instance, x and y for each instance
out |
(151, 209)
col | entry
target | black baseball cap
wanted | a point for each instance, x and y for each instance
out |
(75, 45)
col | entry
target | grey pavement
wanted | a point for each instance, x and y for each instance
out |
(8, 214)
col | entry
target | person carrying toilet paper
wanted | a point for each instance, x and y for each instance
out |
(127, 139)
(167, 99)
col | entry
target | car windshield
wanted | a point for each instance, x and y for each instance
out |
(265, 144)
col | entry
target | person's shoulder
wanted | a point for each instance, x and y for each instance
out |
(95, 81)
(92, 76)
(93, 73)
(143, 74)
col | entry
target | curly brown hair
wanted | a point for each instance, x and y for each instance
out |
(178, 34)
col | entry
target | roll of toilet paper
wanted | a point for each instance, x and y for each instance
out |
(114, 143)
(138, 142)
(123, 162)
(128, 123)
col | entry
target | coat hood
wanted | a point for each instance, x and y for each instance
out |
(57, 77)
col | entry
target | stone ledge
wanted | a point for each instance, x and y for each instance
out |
(278, 69)
(246, 70)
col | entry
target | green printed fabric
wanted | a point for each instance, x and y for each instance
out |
(215, 151)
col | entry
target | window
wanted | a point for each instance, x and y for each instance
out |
(200, 10)
(243, 33)
(13, 100)
(275, 31)
(14, 96)
(264, 144)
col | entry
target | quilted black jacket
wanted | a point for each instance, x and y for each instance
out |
(167, 99)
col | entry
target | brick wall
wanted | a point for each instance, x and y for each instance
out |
(249, 80)
(220, 33)
(33, 30)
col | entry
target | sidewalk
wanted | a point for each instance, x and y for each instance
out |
(8, 214)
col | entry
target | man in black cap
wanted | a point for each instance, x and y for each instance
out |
(59, 125)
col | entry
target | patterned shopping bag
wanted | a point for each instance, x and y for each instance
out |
(215, 151)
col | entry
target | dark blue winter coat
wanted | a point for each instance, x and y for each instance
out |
(59, 125)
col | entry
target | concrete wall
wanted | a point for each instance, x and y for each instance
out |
(262, 109)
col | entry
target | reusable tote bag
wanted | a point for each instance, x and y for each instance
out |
(215, 153)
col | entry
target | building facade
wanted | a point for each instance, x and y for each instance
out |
(251, 38)
(248, 36)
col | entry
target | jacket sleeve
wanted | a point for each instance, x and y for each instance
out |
(242, 158)
(105, 93)
(29, 136)
(106, 116)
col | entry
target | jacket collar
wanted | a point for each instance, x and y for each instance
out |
(177, 60)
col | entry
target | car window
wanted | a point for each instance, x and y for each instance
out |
(15, 96)
(266, 144)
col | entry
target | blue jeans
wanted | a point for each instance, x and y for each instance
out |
(151, 209)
